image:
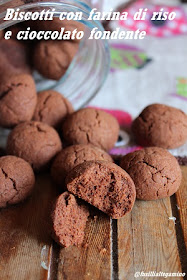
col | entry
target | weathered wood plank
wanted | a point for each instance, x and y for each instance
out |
(147, 240)
(181, 197)
(91, 261)
(24, 235)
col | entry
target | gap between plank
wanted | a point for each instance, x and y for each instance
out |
(179, 234)
(114, 250)
(53, 262)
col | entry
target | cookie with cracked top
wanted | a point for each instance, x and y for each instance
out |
(91, 126)
(16, 180)
(160, 125)
(52, 58)
(52, 107)
(155, 172)
(69, 219)
(17, 100)
(104, 185)
(72, 156)
(35, 142)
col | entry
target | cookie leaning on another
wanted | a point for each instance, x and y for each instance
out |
(103, 185)
(68, 220)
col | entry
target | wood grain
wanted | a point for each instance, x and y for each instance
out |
(181, 197)
(24, 235)
(147, 240)
(92, 261)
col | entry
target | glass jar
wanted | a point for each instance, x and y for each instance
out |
(90, 66)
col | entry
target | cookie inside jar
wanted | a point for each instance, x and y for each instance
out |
(58, 52)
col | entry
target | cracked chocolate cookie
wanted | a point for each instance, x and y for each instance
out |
(35, 142)
(52, 108)
(69, 220)
(16, 180)
(160, 125)
(17, 100)
(155, 172)
(52, 58)
(104, 185)
(91, 126)
(72, 156)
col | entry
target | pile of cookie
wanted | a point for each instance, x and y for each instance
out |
(50, 58)
(47, 135)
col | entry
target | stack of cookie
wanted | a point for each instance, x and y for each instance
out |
(47, 135)
(50, 58)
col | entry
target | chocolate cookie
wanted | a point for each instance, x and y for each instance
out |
(72, 156)
(162, 126)
(52, 108)
(69, 220)
(16, 180)
(35, 142)
(104, 185)
(14, 58)
(17, 100)
(155, 172)
(52, 58)
(91, 126)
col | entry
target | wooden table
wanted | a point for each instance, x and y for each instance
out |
(147, 239)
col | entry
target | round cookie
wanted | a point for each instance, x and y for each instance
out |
(52, 108)
(17, 100)
(52, 58)
(68, 220)
(104, 185)
(16, 180)
(91, 126)
(155, 172)
(35, 142)
(160, 125)
(72, 156)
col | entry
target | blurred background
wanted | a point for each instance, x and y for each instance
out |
(149, 70)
